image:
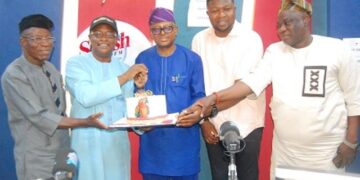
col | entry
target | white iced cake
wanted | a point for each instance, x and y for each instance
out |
(146, 110)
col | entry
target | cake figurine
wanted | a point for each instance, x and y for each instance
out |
(142, 108)
(143, 93)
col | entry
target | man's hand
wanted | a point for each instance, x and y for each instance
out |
(94, 121)
(206, 103)
(345, 156)
(140, 80)
(132, 72)
(195, 112)
(136, 69)
(189, 116)
(209, 133)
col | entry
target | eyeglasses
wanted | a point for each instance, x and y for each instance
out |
(166, 30)
(38, 39)
(107, 35)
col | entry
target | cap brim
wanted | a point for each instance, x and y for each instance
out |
(103, 22)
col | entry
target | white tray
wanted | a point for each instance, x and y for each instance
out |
(165, 120)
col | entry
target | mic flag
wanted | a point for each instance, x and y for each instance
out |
(231, 138)
(66, 161)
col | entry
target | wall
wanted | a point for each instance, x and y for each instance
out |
(343, 18)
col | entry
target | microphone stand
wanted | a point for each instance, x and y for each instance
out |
(233, 143)
(232, 167)
(232, 149)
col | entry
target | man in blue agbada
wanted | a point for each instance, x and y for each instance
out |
(97, 82)
(176, 72)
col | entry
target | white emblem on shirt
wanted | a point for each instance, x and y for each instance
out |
(314, 81)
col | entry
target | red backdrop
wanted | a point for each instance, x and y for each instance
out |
(265, 24)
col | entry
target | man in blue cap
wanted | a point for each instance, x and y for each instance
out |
(171, 152)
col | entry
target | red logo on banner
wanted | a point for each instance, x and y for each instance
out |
(123, 42)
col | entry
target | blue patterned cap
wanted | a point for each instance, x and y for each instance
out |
(161, 15)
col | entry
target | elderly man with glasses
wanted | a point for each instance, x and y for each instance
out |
(35, 99)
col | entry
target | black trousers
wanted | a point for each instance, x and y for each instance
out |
(246, 161)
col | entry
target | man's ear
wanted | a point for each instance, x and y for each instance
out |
(22, 42)
(307, 20)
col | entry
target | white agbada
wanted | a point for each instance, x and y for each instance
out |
(226, 60)
(314, 90)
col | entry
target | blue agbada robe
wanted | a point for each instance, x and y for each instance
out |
(94, 87)
(171, 150)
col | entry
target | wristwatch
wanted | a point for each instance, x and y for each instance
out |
(214, 111)
(354, 146)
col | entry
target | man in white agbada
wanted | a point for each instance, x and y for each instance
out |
(229, 50)
(316, 100)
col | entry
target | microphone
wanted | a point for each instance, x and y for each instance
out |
(66, 162)
(231, 138)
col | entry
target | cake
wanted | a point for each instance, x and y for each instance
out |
(146, 109)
